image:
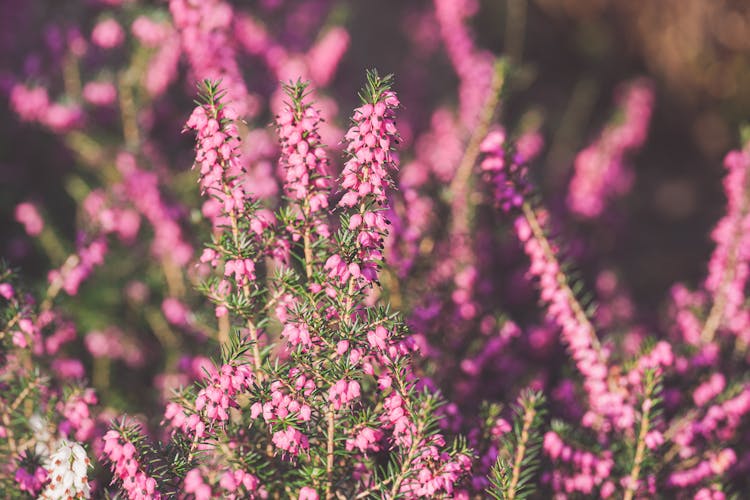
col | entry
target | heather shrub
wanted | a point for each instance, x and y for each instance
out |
(416, 301)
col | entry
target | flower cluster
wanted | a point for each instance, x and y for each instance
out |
(600, 170)
(123, 455)
(67, 472)
(217, 160)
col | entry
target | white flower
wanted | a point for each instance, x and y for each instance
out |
(38, 424)
(40, 429)
(67, 470)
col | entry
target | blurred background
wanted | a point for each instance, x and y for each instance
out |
(573, 52)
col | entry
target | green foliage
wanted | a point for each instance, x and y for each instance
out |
(375, 87)
(512, 476)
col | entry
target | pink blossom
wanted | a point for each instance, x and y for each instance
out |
(27, 214)
(6, 291)
(100, 93)
(123, 457)
(175, 311)
(31, 104)
(307, 493)
(324, 56)
(150, 32)
(600, 170)
(108, 34)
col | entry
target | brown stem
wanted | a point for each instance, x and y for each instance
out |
(9, 434)
(640, 450)
(307, 239)
(716, 315)
(460, 185)
(52, 244)
(222, 334)
(164, 334)
(128, 112)
(562, 148)
(331, 418)
(72, 76)
(101, 372)
(673, 429)
(416, 437)
(308, 254)
(15, 319)
(245, 291)
(562, 279)
(8, 411)
(19, 399)
(406, 465)
(175, 284)
(254, 338)
(528, 420)
(331, 415)
(56, 285)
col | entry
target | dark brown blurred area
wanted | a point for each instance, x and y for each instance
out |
(699, 49)
(697, 53)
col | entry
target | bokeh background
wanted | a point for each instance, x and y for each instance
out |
(573, 52)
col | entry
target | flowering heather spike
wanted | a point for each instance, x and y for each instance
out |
(512, 474)
(229, 207)
(606, 407)
(600, 169)
(508, 177)
(298, 409)
(473, 66)
(366, 177)
(126, 464)
(204, 28)
(305, 163)
(729, 266)
(367, 172)
(324, 57)
(216, 153)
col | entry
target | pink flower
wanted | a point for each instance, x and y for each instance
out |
(68, 368)
(325, 55)
(378, 337)
(194, 484)
(31, 483)
(290, 440)
(100, 93)
(366, 439)
(175, 311)
(654, 439)
(31, 104)
(108, 34)
(297, 334)
(150, 32)
(6, 291)
(27, 214)
(307, 493)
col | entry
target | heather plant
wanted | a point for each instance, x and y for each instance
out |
(39, 410)
(410, 304)
(328, 405)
